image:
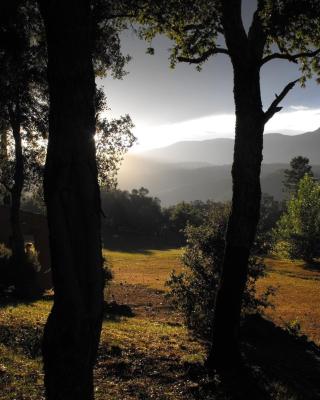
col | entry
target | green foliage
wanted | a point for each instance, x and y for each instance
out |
(22, 279)
(185, 213)
(299, 166)
(6, 278)
(297, 233)
(107, 54)
(24, 93)
(270, 212)
(134, 212)
(193, 291)
(293, 327)
(113, 139)
(289, 28)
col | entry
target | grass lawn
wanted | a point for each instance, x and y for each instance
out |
(297, 296)
(150, 268)
(147, 353)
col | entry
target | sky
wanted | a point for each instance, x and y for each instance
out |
(171, 105)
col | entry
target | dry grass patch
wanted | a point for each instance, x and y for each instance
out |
(297, 297)
(149, 268)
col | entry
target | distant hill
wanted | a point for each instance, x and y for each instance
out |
(201, 170)
(278, 148)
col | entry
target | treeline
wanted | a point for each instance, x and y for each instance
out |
(289, 228)
(138, 213)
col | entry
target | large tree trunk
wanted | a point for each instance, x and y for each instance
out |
(72, 197)
(246, 51)
(243, 219)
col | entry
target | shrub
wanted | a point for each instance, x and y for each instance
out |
(22, 278)
(193, 291)
(6, 277)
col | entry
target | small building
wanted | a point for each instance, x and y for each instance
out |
(35, 231)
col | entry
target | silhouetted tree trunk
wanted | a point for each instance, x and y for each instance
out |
(72, 198)
(17, 239)
(244, 217)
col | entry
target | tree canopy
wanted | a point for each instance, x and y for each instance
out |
(298, 230)
(299, 166)
(24, 94)
(289, 30)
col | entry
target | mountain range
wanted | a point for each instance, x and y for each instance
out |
(200, 170)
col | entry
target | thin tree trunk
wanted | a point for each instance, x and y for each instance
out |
(17, 239)
(72, 197)
(4, 162)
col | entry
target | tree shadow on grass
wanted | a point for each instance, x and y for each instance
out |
(11, 300)
(283, 360)
(313, 266)
(112, 311)
(280, 366)
(140, 244)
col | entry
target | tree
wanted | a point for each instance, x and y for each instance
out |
(72, 199)
(183, 214)
(82, 41)
(193, 291)
(134, 212)
(297, 233)
(280, 30)
(113, 139)
(299, 166)
(23, 113)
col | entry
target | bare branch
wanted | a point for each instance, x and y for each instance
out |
(274, 107)
(204, 56)
(290, 57)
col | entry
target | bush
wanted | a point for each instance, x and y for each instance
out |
(193, 292)
(6, 276)
(22, 278)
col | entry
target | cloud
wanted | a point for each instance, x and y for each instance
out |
(300, 120)
(298, 108)
(294, 120)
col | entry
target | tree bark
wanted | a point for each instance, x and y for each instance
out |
(72, 196)
(244, 217)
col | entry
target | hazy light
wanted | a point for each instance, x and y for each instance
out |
(295, 120)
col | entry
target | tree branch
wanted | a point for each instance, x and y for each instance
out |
(290, 57)
(190, 27)
(204, 56)
(274, 107)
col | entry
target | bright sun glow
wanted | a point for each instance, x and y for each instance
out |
(294, 120)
